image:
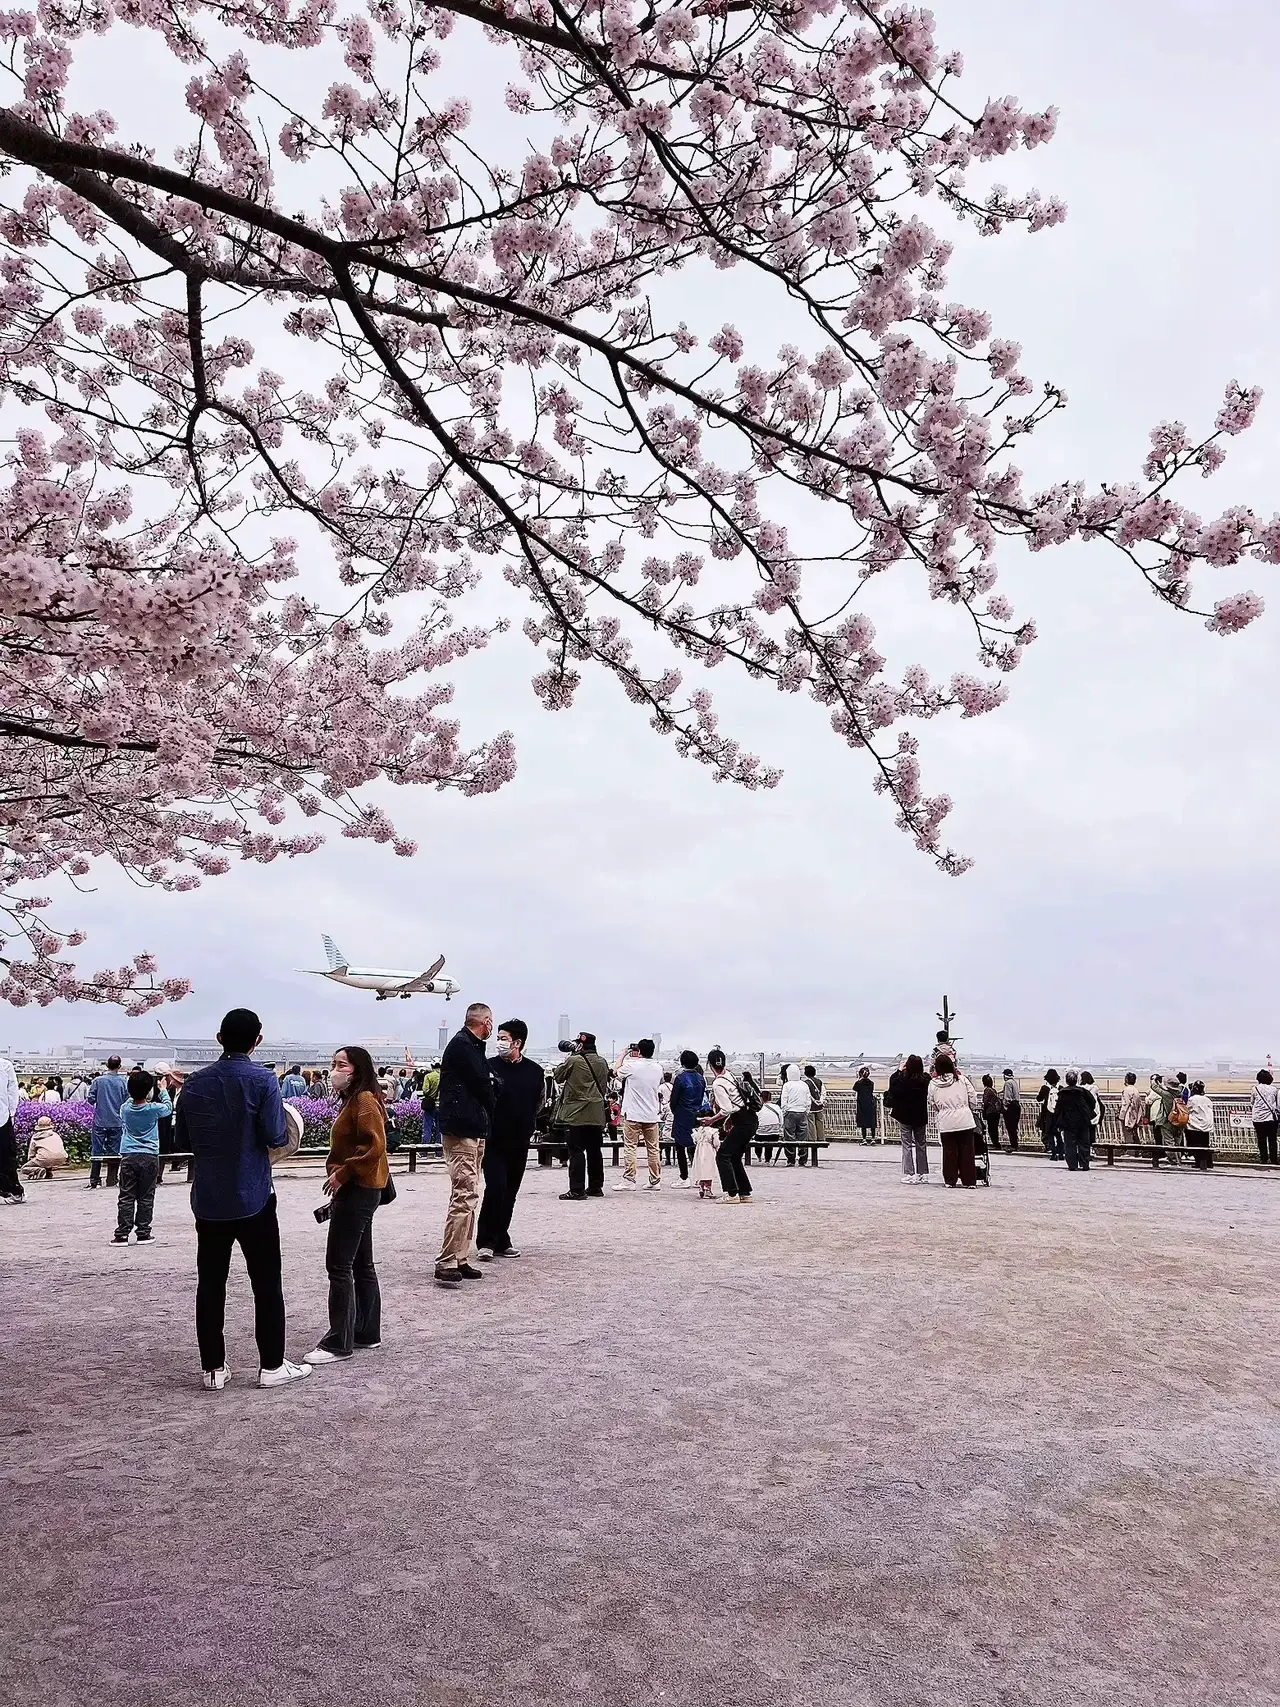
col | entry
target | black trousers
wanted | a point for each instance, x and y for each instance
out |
(1012, 1116)
(355, 1303)
(993, 1129)
(586, 1160)
(505, 1160)
(258, 1237)
(137, 1200)
(1266, 1131)
(1076, 1146)
(731, 1157)
(10, 1184)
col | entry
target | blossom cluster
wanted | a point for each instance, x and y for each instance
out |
(486, 382)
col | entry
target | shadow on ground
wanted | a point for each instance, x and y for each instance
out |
(853, 1444)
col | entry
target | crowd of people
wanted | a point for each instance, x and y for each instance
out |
(237, 1118)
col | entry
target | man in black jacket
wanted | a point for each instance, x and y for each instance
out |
(522, 1090)
(1075, 1123)
(467, 1098)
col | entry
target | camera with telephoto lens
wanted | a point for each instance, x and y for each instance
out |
(567, 1048)
(323, 1213)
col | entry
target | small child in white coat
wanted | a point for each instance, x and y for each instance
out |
(704, 1160)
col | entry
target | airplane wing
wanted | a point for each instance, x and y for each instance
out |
(423, 979)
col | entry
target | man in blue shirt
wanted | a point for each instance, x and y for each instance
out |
(231, 1117)
(294, 1084)
(108, 1093)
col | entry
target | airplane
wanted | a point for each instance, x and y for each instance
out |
(384, 983)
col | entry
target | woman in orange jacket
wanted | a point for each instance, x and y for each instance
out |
(356, 1175)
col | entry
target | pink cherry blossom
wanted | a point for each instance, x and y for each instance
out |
(478, 372)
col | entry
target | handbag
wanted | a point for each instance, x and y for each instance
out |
(388, 1192)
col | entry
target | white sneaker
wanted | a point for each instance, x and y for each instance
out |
(319, 1355)
(484, 1253)
(281, 1377)
(654, 1185)
(684, 1185)
(624, 1185)
(216, 1379)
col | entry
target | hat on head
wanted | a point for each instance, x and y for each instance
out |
(44, 1123)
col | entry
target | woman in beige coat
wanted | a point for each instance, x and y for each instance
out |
(46, 1150)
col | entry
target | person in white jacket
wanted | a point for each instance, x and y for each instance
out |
(1200, 1127)
(1265, 1115)
(952, 1102)
(12, 1189)
(797, 1112)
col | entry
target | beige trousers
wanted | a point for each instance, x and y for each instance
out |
(632, 1132)
(462, 1157)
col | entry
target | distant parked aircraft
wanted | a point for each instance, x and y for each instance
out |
(384, 983)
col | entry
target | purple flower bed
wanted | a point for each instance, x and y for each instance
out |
(72, 1121)
(319, 1113)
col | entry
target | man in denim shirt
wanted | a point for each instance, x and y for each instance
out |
(108, 1093)
(231, 1117)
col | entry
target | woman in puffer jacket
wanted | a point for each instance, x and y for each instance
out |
(952, 1103)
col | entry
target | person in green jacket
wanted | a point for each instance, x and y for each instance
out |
(583, 1077)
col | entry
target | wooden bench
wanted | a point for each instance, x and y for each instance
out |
(1181, 1154)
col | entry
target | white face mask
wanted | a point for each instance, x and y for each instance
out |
(506, 1048)
(340, 1078)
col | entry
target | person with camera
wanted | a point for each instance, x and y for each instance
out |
(641, 1079)
(583, 1077)
(467, 1098)
(356, 1175)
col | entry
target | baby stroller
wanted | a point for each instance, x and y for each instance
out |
(981, 1155)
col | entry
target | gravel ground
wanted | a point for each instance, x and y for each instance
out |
(858, 1443)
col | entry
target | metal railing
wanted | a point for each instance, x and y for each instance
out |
(1232, 1126)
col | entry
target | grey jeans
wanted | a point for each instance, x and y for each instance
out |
(138, 1175)
(915, 1158)
(796, 1128)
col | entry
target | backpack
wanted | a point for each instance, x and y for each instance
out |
(747, 1089)
(1179, 1114)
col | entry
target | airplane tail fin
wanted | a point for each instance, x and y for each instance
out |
(337, 959)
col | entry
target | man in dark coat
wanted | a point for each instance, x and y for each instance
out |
(522, 1089)
(467, 1099)
(1075, 1122)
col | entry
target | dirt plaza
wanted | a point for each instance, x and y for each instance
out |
(857, 1443)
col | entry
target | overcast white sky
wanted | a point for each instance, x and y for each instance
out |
(1121, 808)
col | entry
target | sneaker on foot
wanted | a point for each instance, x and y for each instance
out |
(683, 1184)
(574, 1196)
(597, 1192)
(510, 1251)
(485, 1254)
(368, 1345)
(447, 1276)
(624, 1185)
(469, 1273)
(145, 1238)
(654, 1185)
(320, 1355)
(725, 1198)
(216, 1379)
(281, 1377)
(119, 1238)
